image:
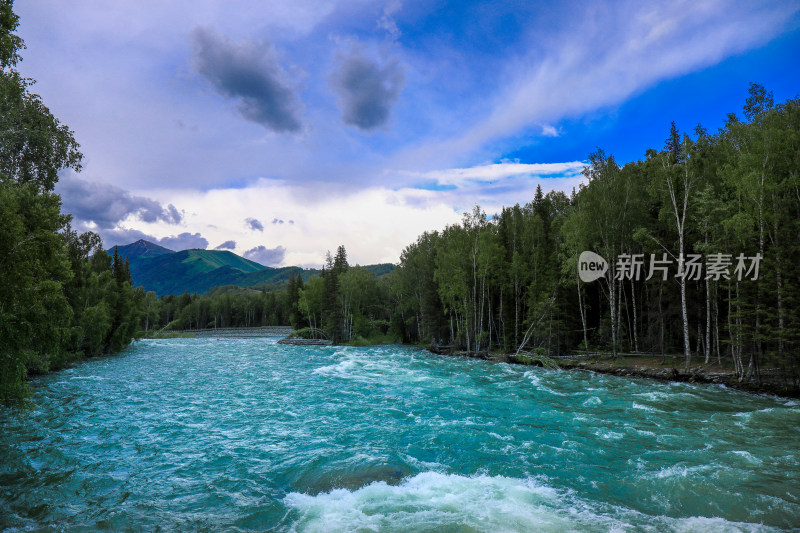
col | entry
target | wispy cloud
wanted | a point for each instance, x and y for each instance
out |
(254, 224)
(266, 256)
(460, 85)
(616, 51)
(387, 22)
(374, 223)
(184, 241)
(227, 245)
(460, 177)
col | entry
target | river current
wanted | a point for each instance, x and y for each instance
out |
(246, 434)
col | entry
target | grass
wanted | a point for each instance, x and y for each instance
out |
(373, 340)
(165, 335)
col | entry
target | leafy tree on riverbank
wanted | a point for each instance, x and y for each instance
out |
(508, 281)
(55, 302)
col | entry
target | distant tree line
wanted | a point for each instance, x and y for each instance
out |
(349, 303)
(61, 296)
(510, 281)
(222, 307)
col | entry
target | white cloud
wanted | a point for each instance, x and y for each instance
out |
(613, 52)
(266, 256)
(500, 171)
(121, 79)
(550, 131)
(374, 223)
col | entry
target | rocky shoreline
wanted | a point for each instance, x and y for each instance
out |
(650, 367)
(768, 384)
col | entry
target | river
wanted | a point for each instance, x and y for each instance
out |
(246, 434)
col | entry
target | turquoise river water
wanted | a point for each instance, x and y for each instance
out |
(246, 434)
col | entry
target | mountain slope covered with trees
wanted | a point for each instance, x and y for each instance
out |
(197, 271)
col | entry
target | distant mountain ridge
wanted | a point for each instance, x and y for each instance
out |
(141, 248)
(165, 271)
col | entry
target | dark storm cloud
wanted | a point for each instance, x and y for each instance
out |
(248, 71)
(266, 256)
(254, 224)
(366, 91)
(227, 245)
(106, 205)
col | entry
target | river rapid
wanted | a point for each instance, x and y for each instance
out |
(245, 434)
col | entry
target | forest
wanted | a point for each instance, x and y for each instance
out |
(494, 282)
(62, 297)
(510, 280)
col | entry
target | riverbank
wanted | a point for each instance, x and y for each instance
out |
(660, 368)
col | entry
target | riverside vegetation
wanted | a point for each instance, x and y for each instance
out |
(60, 300)
(490, 283)
(498, 283)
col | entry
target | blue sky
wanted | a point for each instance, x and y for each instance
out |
(365, 123)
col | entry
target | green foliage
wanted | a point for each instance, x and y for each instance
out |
(163, 271)
(10, 44)
(373, 340)
(510, 281)
(34, 145)
(225, 307)
(55, 304)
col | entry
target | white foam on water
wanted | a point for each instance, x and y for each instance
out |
(420, 464)
(594, 400)
(340, 369)
(680, 471)
(748, 456)
(356, 366)
(644, 407)
(432, 501)
(657, 395)
(608, 435)
(672, 471)
(715, 524)
(534, 379)
(508, 369)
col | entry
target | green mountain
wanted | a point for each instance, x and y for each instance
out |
(141, 249)
(197, 271)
